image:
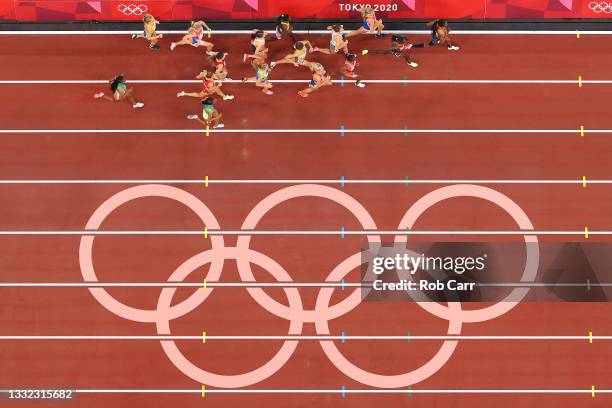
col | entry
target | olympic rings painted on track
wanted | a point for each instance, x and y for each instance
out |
(294, 312)
(132, 9)
(600, 7)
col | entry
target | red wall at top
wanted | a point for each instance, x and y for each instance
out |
(61, 10)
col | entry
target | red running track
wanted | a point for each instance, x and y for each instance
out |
(143, 364)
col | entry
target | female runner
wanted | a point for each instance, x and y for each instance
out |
(370, 24)
(120, 93)
(208, 88)
(298, 56)
(150, 32)
(319, 80)
(210, 115)
(194, 36)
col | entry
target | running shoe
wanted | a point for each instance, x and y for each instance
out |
(303, 94)
(268, 92)
(219, 126)
(364, 52)
(138, 105)
(228, 97)
(182, 93)
(359, 83)
(172, 46)
(453, 48)
(154, 47)
(134, 36)
(192, 116)
(412, 64)
(244, 57)
(99, 95)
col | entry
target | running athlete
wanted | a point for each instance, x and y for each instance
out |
(257, 58)
(208, 88)
(285, 26)
(261, 78)
(399, 45)
(348, 70)
(319, 80)
(120, 93)
(337, 41)
(439, 35)
(258, 41)
(150, 32)
(210, 115)
(298, 56)
(370, 24)
(218, 59)
(194, 36)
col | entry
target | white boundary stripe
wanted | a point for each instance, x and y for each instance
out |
(301, 337)
(226, 32)
(341, 131)
(264, 285)
(291, 81)
(313, 181)
(342, 391)
(303, 232)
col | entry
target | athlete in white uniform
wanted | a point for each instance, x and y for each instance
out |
(337, 41)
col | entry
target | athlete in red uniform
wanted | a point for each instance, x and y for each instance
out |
(208, 88)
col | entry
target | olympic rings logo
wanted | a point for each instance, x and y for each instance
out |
(602, 7)
(167, 310)
(132, 9)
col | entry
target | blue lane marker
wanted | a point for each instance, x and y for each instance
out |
(341, 80)
(342, 235)
(341, 130)
(342, 284)
(343, 391)
(343, 339)
(342, 181)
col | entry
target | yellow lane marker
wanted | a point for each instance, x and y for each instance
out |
(203, 337)
(579, 81)
(584, 181)
(581, 130)
(205, 232)
(206, 181)
(593, 391)
(203, 391)
(586, 232)
(591, 337)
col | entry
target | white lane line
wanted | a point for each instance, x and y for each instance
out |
(314, 337)
(302, 232)
(341, 131)
(310, 181)
(290, 81)
(245, 32)
(342, 391)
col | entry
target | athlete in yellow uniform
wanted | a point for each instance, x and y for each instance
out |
(150, 32)
(210, 115)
